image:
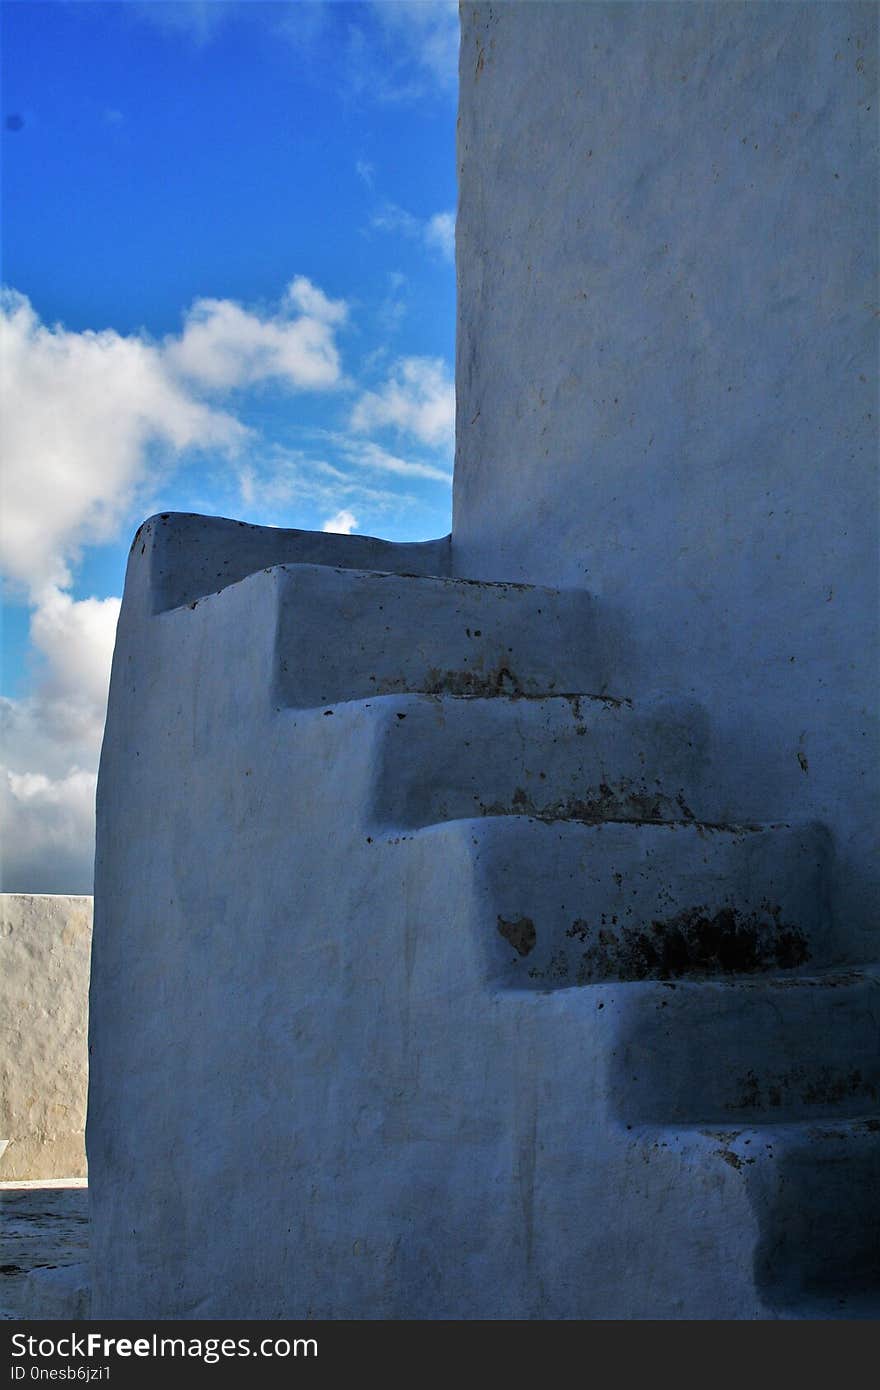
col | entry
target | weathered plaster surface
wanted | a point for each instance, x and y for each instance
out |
(512, 936)
(45, 943)
(420, 964)
(200, 555)
(667, 384)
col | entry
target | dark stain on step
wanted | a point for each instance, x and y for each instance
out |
(730, 1157)
(813, 1086)
(693, 942)
(625, 801)
(465, 683)
(520, 932)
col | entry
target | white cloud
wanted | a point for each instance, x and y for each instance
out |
(437, 232)
(440, 234)
(79, 413)
(314, 302)
(365, 454)
(384, 51)
(300, 22)
(51, 742)
(247, 484)
(390, 315)
(365, 171)
(392, 218)
(49, 844)
(224, 345)
(82, 414)
(75, 639)
(417, 399)
(278, 479)
(423, 34)
(342, 524)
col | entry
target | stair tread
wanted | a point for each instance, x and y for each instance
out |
(863, 1306)
(795, 980)
(560, 757)
(857, 1126)
(498, 824)
(382, 633)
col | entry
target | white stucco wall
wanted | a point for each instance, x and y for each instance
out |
(667, 371)
(45, 942)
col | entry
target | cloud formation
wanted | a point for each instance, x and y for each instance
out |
(84, 412)
(273, 480)
(224, 345)
(80, 412)
(423, 34)
(364, 453)
(436, 232)
(342, 524)
(51, 741)
(365, 171)
(87, 418)
(440, 233)
(417, 399)
(384, 52)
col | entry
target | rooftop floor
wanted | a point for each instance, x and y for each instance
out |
(44, 1225)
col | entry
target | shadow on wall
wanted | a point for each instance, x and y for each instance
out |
(818, 1215)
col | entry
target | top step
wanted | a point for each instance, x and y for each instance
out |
(187, 557)
(347, 634)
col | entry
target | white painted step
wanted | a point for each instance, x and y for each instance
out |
(551, 906)
(748, 1050)
(347, 634)
(188, 556)
(563, 758)
(812, 1187)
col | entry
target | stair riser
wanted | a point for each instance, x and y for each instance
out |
(349, 635)
(807, 1194)
(566, 905)
(770, 1050)
(819, 1218)
(557, 759)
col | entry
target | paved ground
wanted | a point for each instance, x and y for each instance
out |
(43, 1225)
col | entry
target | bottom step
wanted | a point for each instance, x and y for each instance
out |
(759, 1050)
(813, 1190)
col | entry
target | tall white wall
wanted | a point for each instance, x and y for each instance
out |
(45, 945)
(667, 371)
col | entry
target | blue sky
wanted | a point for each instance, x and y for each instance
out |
(228, 279)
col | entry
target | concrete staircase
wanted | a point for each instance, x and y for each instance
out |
(776, 1075)
(527, 1021)
(574, 819)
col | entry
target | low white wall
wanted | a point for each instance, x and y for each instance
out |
(45, 949)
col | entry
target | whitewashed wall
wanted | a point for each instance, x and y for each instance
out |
(45, 943)
(667, 372)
